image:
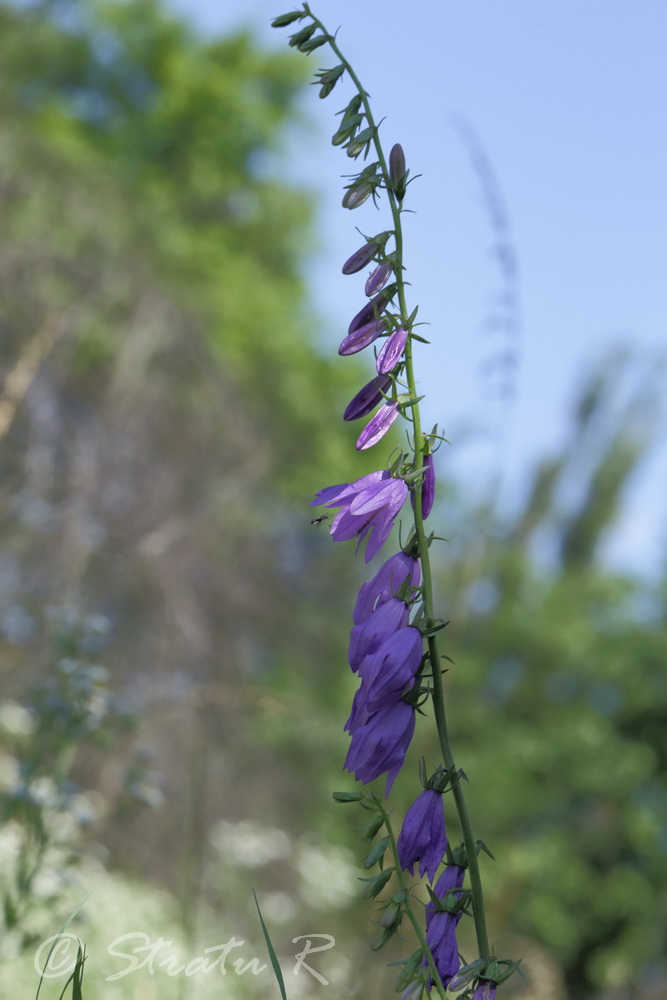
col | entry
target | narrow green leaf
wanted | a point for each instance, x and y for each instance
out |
(275, 965)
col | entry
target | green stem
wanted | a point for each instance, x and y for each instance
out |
(427, 583)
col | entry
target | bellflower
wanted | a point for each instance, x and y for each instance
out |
(383, 623)
(393, 666)
(362, 336)
(391, 351)
(385, 675)
(378, 278)
(367, 398)
(441, 939)
(423, 838)
(369, 504)
(385, 585)
(428, 487)
(377, 426)
(441, 926)
(372, 309)
(360, 258)
(380, 746)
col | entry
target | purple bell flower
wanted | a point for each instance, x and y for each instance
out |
(378, 278)
(367, 398)
(370, 504)
(385, 585)
(392, 668)
(381, 744)
(366, 638)
(441, 926)
(441, 939)
(386, 673)
(422, 838)
(377, 426)
(391, 351)
(361, 337)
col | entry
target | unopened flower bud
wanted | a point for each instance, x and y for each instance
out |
(378, 278)
(396, 164)
(365, 254)
(361, 337)
(357, 195)
(377, 427)
(367, 398)
(391, 351)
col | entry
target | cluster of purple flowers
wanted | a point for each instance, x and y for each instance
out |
(385, 650)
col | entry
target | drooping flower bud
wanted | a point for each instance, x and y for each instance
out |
(377, 426)
(373, 308)
(284, 19)
(396, 164)
(357, 194)
(362, 337)
(428, 487)
(391, 351)
(378, 278)
(302, 36)
(367, 398)
(365, 254)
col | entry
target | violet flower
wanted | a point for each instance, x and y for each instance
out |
(381, 744)
(441, 926)
(370, 504)
(385, 585)
(422, 838)
(386, 673)
(360, 258)
(391, 351)
(361, 337)
(378, 278)
(428, 487)
(366, 638)
(391, 668)
(372, 309)
(367, 398)
(377, 426)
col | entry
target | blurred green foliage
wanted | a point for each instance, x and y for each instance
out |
(165, 416)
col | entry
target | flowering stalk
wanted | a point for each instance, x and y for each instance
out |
(396, 674)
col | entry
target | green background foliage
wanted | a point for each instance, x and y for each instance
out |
(166, 414)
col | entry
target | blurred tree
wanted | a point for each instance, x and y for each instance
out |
(162, 399)
(561, 704)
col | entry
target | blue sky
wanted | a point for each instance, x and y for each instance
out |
(568, 100)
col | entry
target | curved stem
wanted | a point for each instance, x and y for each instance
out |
(427, 581)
